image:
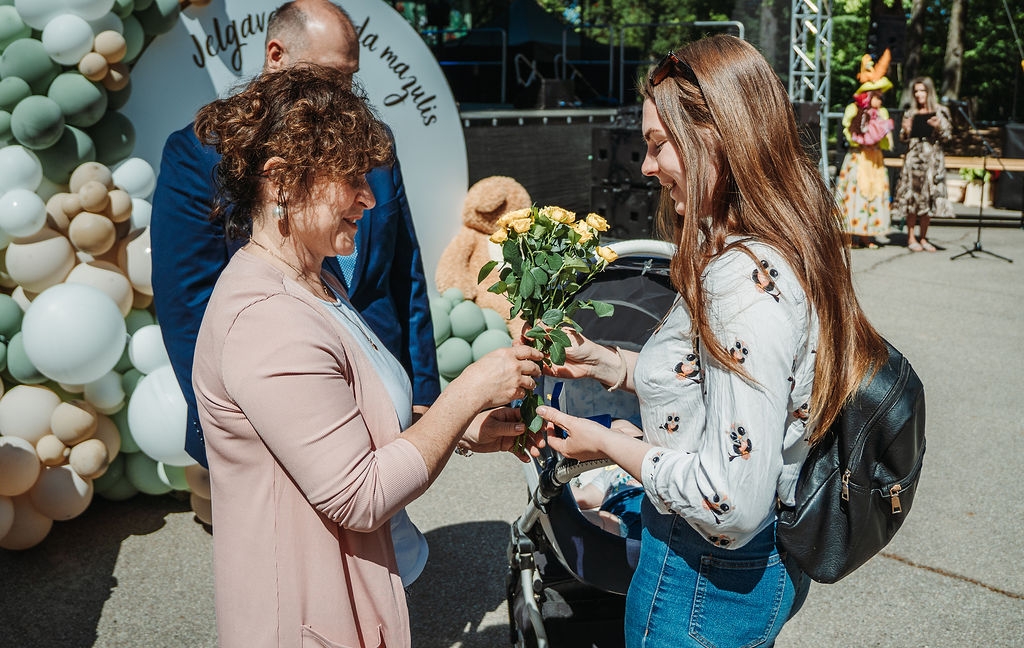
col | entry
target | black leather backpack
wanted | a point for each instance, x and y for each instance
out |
(858, 482)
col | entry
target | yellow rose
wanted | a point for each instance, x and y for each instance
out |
(500, 236)
(607, 254)
(584, 231)
(522, 225)
(597, 222)
(558, 214)
(507, 219)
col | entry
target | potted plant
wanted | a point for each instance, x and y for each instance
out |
(977, 187)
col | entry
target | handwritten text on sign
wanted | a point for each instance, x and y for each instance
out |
(232, 37)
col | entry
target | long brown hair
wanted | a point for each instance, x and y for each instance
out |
(736, 123)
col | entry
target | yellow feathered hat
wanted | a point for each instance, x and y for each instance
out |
(872, 74)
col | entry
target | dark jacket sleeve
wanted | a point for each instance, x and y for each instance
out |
(188, 254)
(390, 288)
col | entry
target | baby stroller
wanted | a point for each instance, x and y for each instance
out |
(567, 577)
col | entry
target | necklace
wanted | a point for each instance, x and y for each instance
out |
(316, 287)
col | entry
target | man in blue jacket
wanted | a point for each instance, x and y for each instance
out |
(384, 277)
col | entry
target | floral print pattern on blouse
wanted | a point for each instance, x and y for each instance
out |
(725, 446)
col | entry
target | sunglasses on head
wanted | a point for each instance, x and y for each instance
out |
(669, 65)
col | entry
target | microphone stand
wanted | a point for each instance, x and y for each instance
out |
(989, 151)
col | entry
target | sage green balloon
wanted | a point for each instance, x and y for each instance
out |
(114, 474)
(119, 491)
(59, 161)
(137, 318)
(64, 394)
(114, 137)
(467, 320)
(129, 380)
(141, 472)
(120, 419)
(142, 5)
(439, 318)
(18, 364)
(494, 320)
(10, 317)
(489, 341)
(3, 356)
(12, 91)
(159, 17)
(82, 101)
(116, 99)
(125, 362)
(134, 38)
(27, 59)
(37, 122)
(453, 355)
(123, 8)
(6, 136)
(12, 27)
(173, 476)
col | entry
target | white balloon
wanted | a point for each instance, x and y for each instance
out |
(142, 213)
(22, 213)
(137, 177)
(19, 169)
(74, 333)
(106, 394)
(38, 13)
(146, 349)
(157, 418)
(67, 38)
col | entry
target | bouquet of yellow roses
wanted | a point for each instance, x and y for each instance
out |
(547, 257)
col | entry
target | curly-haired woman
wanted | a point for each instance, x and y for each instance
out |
(302, 406)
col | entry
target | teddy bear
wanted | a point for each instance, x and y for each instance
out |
(486, 201)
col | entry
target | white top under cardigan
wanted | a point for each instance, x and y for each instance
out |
(411, 548)
(724, 445)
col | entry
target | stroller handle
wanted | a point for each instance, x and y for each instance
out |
(559, 472)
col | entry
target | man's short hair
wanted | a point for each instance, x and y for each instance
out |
(288, 22)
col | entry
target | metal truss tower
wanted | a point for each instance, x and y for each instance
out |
(810, 66)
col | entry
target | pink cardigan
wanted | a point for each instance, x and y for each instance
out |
(306, 466)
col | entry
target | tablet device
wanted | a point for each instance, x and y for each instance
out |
(919, 127)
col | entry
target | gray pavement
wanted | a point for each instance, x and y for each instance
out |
(138, 573)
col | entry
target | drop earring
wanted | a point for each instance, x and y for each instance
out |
(281, 214)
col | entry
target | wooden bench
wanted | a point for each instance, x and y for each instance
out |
(969, 162)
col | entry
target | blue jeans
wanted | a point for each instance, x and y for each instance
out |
(688, 592)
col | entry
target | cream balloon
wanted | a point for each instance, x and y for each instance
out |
(136, 260)
(198, 479)
(19, 169)
(157, 418)
(22, 213)
(89, 459)
(30, 527)
(60, 493)
(40, 261)
(107, 432)
(146, 349)
(25, 412)
(108, 278)
(19, 465)
(73, 422)
(203, 508)
(67, 38)
(52, 451)
(74, 333)
(137, 177)
(106, 394)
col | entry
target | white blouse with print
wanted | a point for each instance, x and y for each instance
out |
(726, 446)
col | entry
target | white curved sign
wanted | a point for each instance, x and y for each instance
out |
(214, 49)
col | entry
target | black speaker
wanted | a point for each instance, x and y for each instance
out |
(630, 211)
(616, 156)
(1010, 186)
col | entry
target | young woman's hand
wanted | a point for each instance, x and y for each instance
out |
(585, 439)
(583, 359)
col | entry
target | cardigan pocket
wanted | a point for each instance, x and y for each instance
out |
(313, 639)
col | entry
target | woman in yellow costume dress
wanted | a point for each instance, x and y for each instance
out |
(863, 185)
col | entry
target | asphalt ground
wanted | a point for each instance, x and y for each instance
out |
(138, 573)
